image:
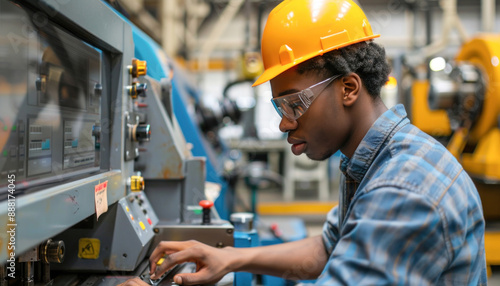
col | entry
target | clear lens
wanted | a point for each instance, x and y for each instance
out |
(294, 105)
(278, 109)
(291, 106)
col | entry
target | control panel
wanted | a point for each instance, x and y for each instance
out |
(139, 213)
(50, 104)
(133, 232)
(117, 240)
(136, 131)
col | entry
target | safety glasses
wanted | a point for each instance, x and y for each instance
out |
(294, 105)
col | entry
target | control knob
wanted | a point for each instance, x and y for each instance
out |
(52, 251)
(137, 89)
(137, 68)
(141, 132)
(136, 183)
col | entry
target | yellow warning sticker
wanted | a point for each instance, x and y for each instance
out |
(88, 248)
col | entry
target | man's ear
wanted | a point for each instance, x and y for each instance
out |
(351, 87)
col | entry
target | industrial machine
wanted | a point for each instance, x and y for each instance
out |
(463, 110)
(95, 168)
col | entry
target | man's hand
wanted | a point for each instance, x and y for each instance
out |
(134, 282)
(211, 263)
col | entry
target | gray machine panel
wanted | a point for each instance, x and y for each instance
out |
(52, 78)
(57, 88)
(43, 214)
(118, 240)
(67, 122)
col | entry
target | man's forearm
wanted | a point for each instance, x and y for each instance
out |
(303, 259)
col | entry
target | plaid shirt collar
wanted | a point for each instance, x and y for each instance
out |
(376, 138)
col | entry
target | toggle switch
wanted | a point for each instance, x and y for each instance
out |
(206, 205)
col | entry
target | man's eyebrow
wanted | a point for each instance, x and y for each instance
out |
(287, 92)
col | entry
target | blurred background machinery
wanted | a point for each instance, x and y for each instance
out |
(463, 111)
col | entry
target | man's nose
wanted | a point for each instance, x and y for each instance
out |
(287, 125)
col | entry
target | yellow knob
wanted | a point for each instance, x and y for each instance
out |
(138, 68)
(136, 183)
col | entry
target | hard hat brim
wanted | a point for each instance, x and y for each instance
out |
(272, 72)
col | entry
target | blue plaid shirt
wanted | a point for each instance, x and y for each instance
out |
(408, 213)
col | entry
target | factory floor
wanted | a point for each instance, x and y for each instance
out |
(306, 206)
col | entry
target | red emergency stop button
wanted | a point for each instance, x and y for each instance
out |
(206, 204)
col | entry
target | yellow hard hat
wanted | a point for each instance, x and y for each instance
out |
(298, 30)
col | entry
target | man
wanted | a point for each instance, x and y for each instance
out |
(408, 213)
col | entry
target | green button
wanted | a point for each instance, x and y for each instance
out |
(5, 128)
(198, 211)
(14, 127)
(5, 153)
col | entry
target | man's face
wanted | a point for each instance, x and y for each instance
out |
(323, 128)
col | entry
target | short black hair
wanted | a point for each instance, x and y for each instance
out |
(367, 59)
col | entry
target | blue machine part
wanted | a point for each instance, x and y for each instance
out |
(245, 239)
(292, 229)
(148, 50)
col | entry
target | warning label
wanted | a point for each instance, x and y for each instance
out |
(101, 199)
(88, 248)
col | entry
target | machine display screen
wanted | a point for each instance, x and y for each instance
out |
(50, 100)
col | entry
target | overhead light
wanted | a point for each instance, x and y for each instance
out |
(495, 61)
(437, 64)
